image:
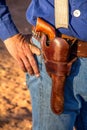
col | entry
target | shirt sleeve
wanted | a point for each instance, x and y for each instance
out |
(7, 26)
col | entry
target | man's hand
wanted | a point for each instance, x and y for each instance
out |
(23, 52)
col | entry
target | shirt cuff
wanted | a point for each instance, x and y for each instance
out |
(7, 29)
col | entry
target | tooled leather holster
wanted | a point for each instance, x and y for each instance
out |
(56, 55)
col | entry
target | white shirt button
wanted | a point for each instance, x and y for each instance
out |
(76, 13)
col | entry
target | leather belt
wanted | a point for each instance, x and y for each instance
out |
(78, 47)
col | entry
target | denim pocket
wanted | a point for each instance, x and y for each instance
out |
(37, 58)
(32, 81)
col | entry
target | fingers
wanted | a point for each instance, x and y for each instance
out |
(33, 64)
(34, 49)
(27, 61)
(21, 64)
(30, 57)
(27, 65)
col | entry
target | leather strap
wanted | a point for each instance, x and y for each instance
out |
(57, 68)
(61, 13)
(78, 47)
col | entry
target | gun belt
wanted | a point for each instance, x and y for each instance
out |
(78, 47)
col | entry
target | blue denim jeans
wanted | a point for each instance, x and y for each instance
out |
(75, 94)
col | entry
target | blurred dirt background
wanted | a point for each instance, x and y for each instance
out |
(15, 105)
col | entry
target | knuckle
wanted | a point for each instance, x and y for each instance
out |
(27, 64)
(22, 67)
(32, 61)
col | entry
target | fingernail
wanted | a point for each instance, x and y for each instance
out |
(38, 75)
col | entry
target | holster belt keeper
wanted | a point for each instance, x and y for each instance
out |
(78, 47)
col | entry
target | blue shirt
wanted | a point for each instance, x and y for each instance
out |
(45, 10)
(7, 26)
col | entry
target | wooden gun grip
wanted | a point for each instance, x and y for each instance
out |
(46, 28)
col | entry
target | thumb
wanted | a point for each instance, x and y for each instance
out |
(34, 49)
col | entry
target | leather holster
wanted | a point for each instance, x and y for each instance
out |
(56, 55)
